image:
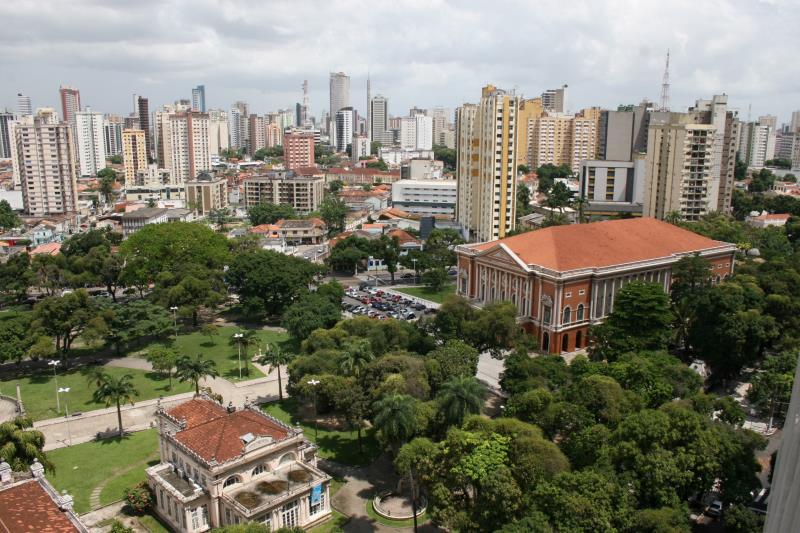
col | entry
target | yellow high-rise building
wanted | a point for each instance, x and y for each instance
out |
(134, 154)
(528, 111)
(487, 164)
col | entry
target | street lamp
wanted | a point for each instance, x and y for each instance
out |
(174, 310)
(314, 383)
(54, 363)
(414, 260)
(238, 337)
(66, 413)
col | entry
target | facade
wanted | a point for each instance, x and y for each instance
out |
(133, 221)
(584, 140)
(199, 98)
(45, 165)
(238, 127)
(360, 176)
(679, 169)
(24, 105)
(555, 100)
(222, 467)
(206, 193)
(294, 232)
(339, 92)
(112, 132)
(765, 220)
(6, 117)
(298, 150)
(189, 145)
(155, 191)
(424, 132)
(487, 177)
(421, 169)
(134, 153)
(256, 127)
(425, 197)
(756, 144)
(218, 136)
(528, 110)
(612, 187)
(550, 140)
(274, 135)
(70, 104)
(143, 112)
(360, 147)
(564, 279)
(378, 118)
(90, 142)
(303, 193)
(344, 128)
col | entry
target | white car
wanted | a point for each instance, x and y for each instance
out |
(715, 509)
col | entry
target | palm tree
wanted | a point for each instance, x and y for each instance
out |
(673, 217)
(275, 356)
(357, 356)
(20, 446)
(194, 370)
(580, 203)
(249, 337)
(395, 419)
(115, 389)
(459, 397)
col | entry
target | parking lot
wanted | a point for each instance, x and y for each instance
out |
(375, 303)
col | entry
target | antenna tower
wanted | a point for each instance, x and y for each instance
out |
(665, 87)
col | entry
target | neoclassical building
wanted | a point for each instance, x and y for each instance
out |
(563, 279)
(222, 466)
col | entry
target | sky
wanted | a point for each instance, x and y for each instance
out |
(418, 52)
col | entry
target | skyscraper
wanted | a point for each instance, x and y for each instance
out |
(112, 131)
(43, 160)
(377, 121)
(298, 150)
(794, 125)
(238, 129)
(190, 151)
(24, 105)
(218, 138)
(555, 100)
(339, 97)
(344, 128)
(6, 117)
(143, 110)
(70, 103)
(756, 144)
(256, 133)
(486, 166)
(134, 153)
(199, 98)
(90, 142)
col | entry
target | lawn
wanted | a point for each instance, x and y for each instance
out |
(424, 292)
(39, 391)
(219, 350)
(339, 446)
(119, 463)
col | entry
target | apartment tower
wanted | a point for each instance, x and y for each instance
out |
(298, 150)
(70, 103)
(134, 154)
(238, 129)
(24, 105)
(143, 111)
(6, 118)
(199, 98)
(91, 142)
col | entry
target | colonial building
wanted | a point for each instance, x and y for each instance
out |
(563, 279)
(225, 466)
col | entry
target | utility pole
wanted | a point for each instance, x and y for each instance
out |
(665, 86)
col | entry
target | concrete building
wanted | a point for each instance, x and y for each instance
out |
(256, 128)
(360, 147)
(143, 113)
(487, 165)
(293, 232)
(425, 197)
(221, 467)
(784, 144)
(90, 142)
(199, 98)
(303, 193)
(769, 120)
(274, 135)
(550, 140)
(298, 150)
(133, 221)
(584, 140)
(378, 118)
(679, 169)
(612, 187)
(112, 134)
(218, 132)
(343, 129)
(564, 279)
(764, 220)
(238, 128)
(6, 118)
(339, 92)
(528, 110)
(421, 169)
(757, 144)
(24, 105)
(794, 124)
(44, 163)
(555, 100)
(189, 145)
(206, 193)
(70, 103)
(623, 133)
(134, 153)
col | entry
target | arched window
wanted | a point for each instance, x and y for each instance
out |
(565, 342)
(579, 313)
(287, 458)
(545, 342)
(578, 339)
(257, 471)
(233, 480)
(567, 318)
(546, 314)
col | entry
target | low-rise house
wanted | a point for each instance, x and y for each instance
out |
(222, 466)
(361, 200)
(765, 220)
(361, 176)
(294, 231)
(133, 221)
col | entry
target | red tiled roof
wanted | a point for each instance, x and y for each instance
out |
(772, 216)
(403, 236)
(602, 244)
(196, 411)
(28, 508)
(50, 248)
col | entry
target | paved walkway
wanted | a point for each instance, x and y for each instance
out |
(8, 409)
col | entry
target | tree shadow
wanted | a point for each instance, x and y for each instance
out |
(208, 344)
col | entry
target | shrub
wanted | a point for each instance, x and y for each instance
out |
(139, 497)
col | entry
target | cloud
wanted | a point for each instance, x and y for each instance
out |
(418, 52)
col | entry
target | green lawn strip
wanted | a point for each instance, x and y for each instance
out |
(339, 446)
(334, 523)
(39, 391)
(153, 524)
(81, 468)
(115, 488)
(218, 349)
(425, 293)
(394, 523)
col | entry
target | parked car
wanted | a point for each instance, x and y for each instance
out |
(419, 307)
(715, 509)
(407, 275)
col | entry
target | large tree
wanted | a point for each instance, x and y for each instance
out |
(395, 419)
(333, 211)
(459, 397)
(310, 312)
(267, 213)
(387, 249)
(66, 317)
(20, 445)
(117, 390)
(276, 357)
(8, 218)
(195, 369)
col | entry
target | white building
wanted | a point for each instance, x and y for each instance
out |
(394, 156)
(425, 197)
(612, 187)
(756, 144)
(344, 128)
(378, 118)
(91, 142)
(218, 131)
(361, 147)
(238, 126)
(189, 145)
(112, 131)
(424, 134)
(133, 221)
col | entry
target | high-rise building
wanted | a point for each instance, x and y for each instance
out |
(143, 112)
(298, 150)
(378, 120)
(70, 103)
(584, 137)
(769, 120)
(680, 168)
(113, 125)
(361, 147)
(487, 164)
(24, 105)
(528, 110)
(256, 128)
(206, 193)
(424, 133)
(555, 100)
(344, 128)
(6, 118)
(623, 133)
(134, 154)
(217, 131)
(550, 140)
(44, 163)
(756, 144)
(189, 138)
(339, 92)
(238, 128)
(784, 144)
(90, 142)
(274, 135)
(441, 124)
(794, 125)
(199, 98)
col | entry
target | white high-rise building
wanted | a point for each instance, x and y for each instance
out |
(112, 131)
(24, 105)
(408, 133)
(91, 142)
(238, 129)
(344, 128)
(191, 154)
(199, 98)
(6, 118)
(794, 125)
(756, 144)
(361, 147)
(424, 134)
(379, 120)
(555, 100)
(339, 98)
(217, 131)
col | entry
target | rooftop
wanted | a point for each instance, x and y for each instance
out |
(602, 244)
(28, 507)
(145, 212)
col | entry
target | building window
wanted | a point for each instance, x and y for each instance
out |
(567, 316)
(231, 481)
(565, 342)
(581, 292)
(314, 508)
(579, 313)
(260, 469)
(546, 315)
(578, 339)
(568, 294)
(290, 514)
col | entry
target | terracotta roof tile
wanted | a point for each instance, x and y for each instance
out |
(27, 508)
(602, 244)
(196, 411)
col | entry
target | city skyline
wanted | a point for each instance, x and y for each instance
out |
(109, 52)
